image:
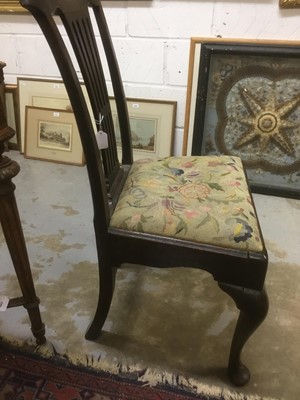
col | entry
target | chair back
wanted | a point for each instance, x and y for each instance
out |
(105, 173)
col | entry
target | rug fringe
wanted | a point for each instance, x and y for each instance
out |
(153, 377)
(46, 350)
(25, 343)
(112, 366)
(147, 375)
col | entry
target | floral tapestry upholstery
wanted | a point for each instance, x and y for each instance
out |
(200, 199)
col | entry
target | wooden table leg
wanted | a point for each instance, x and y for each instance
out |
(13, 233)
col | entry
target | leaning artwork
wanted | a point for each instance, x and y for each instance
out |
(247, 104)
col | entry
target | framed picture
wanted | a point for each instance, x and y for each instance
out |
(43, 93)
(289, 3)
(244, 100)
(12, 114)
(152, 124)
(52, 135)
(8, 6)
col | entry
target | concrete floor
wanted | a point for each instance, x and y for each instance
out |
(164, 319)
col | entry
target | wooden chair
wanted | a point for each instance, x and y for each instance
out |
(194, 212)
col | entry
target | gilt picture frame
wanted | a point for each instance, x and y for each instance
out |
(289, 3)
(52, 135)
(11, 6)
(14, 6)
(152, 124)
(244, 100)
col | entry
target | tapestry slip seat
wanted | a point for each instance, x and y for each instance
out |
(192, 211)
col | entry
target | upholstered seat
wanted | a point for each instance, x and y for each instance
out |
(200, 199)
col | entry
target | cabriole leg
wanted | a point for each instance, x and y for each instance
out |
(253, 306)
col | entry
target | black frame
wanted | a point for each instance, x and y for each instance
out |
(212, 53)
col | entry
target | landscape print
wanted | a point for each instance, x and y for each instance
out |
(55, 136)
(143, 132)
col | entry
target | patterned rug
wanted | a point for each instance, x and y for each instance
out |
(27, 376)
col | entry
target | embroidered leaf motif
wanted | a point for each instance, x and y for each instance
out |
(215, 186)
(181, 226)
(204, 221)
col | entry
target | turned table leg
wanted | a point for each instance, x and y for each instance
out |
(13, 233)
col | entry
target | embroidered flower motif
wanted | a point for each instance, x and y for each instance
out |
(173, 189)
(194, 191)
(234, 183)
(193, 174)
(177, 171)
(214, 163)
(137, 193)
(238, 211)
(135, 219)
(188, 164)
(172, 205)
(190, 214)
(241, 231)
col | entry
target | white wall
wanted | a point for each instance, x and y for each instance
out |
(152, 41)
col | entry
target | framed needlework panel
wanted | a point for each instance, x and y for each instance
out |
(244, 100)
(12, 114)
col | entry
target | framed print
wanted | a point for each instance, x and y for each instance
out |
(152, 124)
(12, 117)
(244, 100)
(43, 93)
(52, 135)
(9, 6)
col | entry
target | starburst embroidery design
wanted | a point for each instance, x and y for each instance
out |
(267, 123)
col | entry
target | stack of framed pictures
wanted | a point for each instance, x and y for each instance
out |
(40, 112)
(48, 129)
(244, 100)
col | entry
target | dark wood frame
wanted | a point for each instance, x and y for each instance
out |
(203, 134)
(13, 89)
